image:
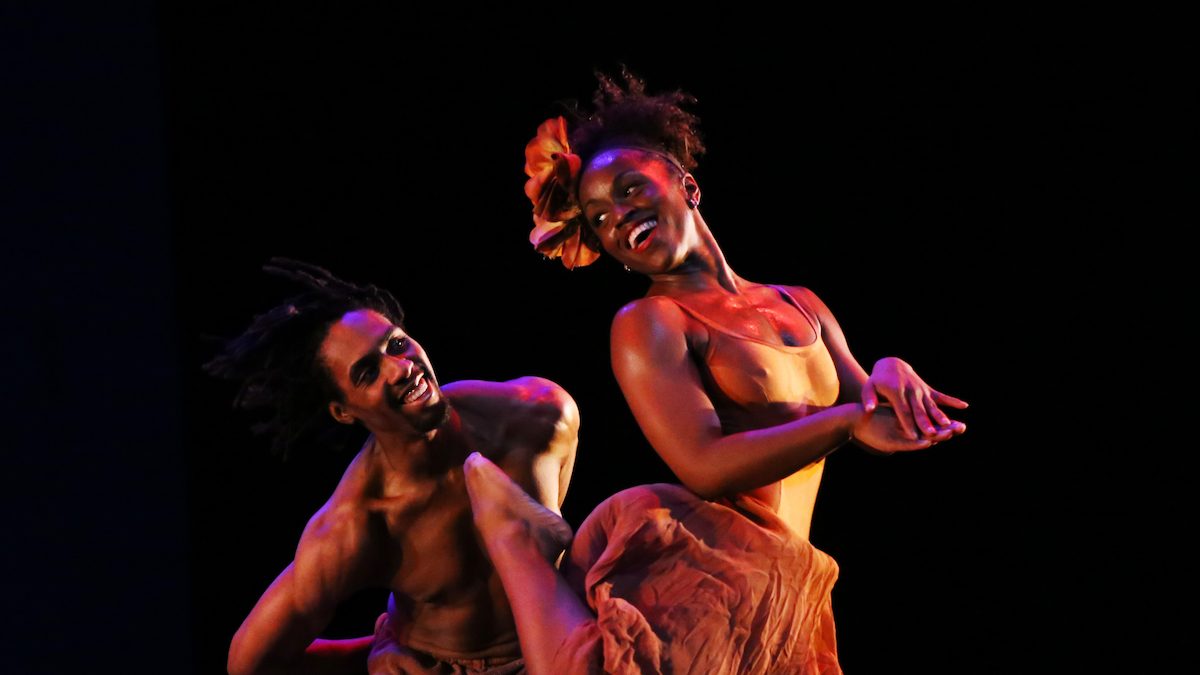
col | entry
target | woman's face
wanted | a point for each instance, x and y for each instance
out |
(635, 201)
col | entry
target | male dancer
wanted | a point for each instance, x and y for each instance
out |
(400, 518)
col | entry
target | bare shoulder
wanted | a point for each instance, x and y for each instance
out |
(528, 395)
(354, 487)
(547, 403)
(521, 389)
(336, 520)
(335, 554)
(805, 296)
(646, 318)
(543, 392)
(347, 509)
(345, 515)
(518, 421)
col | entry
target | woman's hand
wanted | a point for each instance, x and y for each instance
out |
(915, 403)
(882, 432)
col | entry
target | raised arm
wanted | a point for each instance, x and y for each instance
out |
(552, 467)
(541, 430)
(654, 367)
(279, 635)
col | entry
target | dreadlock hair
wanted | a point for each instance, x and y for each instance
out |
(277, 358)
(628, 115)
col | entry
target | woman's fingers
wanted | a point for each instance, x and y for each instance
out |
(869, 399)
(943, 434)
(905, 444)
(904, 416)
(935, 413)
(920, 416)
(946, 399)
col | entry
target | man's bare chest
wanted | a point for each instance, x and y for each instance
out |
(432, 549)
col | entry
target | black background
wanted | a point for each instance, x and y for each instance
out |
(977, 205)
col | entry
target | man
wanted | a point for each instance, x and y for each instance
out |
(400, 517)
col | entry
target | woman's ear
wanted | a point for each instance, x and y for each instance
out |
(691, 191)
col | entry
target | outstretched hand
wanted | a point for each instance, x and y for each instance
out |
(916, 404)
(881, 432)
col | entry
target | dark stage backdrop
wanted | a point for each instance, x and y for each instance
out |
(945, 199)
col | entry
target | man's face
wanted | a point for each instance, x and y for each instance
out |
(384, 376)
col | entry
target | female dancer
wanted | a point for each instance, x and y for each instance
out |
(743, 388)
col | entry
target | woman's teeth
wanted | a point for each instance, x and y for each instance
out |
(644, 226)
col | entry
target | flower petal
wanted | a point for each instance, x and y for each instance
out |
(566, 167)
(553, 170)
(533, 186)
(551, 139)
(544, 230)
(577, 254)
(556, 201)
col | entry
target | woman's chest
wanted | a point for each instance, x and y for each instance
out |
(749, 374)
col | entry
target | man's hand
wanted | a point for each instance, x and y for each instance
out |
(388, 656)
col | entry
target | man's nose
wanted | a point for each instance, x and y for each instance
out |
(399, 368)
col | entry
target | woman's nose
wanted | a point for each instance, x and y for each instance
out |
(619, 213)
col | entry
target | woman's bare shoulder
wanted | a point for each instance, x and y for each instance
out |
(805, 296)
(650, 311)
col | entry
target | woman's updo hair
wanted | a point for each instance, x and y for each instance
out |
(627, 115)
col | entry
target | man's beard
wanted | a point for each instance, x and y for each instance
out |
(436, 417)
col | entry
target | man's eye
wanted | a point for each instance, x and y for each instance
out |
(367, 375)
(396, 346)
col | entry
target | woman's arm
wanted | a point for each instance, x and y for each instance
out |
(915, 403)
(654, 367)
(851, 375)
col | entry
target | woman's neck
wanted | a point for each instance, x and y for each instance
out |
(704, 268)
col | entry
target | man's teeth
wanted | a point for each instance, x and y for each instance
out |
(644, 226)
(417, 391)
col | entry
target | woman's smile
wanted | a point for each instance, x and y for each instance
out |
(641, 235)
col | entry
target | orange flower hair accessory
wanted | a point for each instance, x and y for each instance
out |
(559, 229)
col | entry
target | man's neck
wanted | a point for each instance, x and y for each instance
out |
(424, 454)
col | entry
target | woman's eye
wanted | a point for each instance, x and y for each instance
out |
(600, 219)
(396, 346)
(629, 190)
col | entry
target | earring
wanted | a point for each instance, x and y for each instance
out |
(691, 203)
(627, 268)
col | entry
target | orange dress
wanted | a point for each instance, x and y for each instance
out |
(680, 584)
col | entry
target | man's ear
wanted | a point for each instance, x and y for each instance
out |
(339, 413)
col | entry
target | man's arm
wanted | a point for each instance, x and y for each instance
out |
(540, 431)
(553, 465)
(332, 561)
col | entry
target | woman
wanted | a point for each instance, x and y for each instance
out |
(742, 388)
